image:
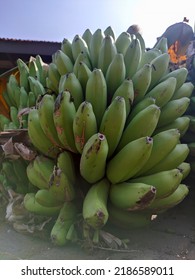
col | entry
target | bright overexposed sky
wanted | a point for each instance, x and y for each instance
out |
(53, 20)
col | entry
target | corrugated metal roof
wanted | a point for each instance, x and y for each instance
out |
(19, 46)
(28, 40)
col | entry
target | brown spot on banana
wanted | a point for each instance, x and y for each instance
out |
(145, 200)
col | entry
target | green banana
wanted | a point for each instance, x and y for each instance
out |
(141, 82)
(7, 98)
(24, 74)
(165, 182)
(115, 74)
(106, 53)
(163, 91)
(132, 57)
(71, 83)
(126, 91)
(180, 75)
(66, 163)
(129, 160)
(141, 40)
(173, 110)
(64, 114)
(128, 219)
(12, 86)
(23, 101)
(45, 198)
(184, 90)
(111, 127)
(172, 160)
(94, 46)
(64, 221)
(45, 167)
(83, 74)
(163, 143)
(159, 68)
(17, 95)
(63, 62)
(162, 45)
(14, 116)
(31, 99)
(94, 209)
(15, 90)
(79, 45)
(66, 47)
(46, 110)
(122, 42)
(36, 86)
(87, 35)
(84, 125)
(181, 123)
(148, 56)
(96, 93)
(53, 77)
(33, 69)
(42, 68)
(35, 177)
(93, 158)
(185, 169)
(159, 205)
(37, 136)
(109, 31)
(142, 104)
(132, 196)
(31, 205)
(82, 57)
(143, 124)
(32, 84)
(60, 186)
(61, 83)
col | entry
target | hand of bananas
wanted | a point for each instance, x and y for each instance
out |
(106, 118)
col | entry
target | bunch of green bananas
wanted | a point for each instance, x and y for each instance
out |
(22, 90)
(109, 136)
